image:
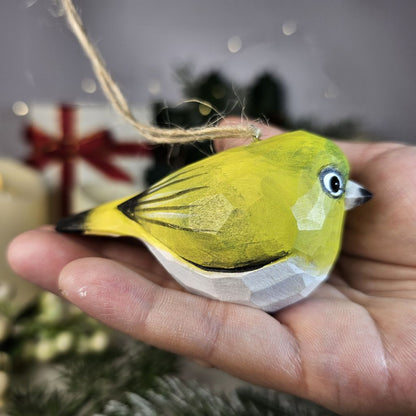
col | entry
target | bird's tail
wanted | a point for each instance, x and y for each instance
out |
(105, 219)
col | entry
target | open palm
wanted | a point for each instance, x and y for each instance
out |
(350, 346)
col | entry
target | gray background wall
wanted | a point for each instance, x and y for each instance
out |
(353, 58)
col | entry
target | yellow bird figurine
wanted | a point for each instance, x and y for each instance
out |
(258, 225)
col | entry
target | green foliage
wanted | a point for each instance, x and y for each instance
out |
(101, 372)
(263, 402)
(173, 397)
(266, 99)
(87, 383)
(37, 401)
(50, 329)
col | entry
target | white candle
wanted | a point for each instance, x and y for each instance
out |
(23, 205)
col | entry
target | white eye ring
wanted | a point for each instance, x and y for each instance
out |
(332, 182)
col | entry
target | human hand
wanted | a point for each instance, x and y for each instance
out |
(350, 346)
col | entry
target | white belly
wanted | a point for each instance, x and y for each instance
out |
(269, 288)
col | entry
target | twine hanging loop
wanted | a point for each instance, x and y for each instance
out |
(117, 99)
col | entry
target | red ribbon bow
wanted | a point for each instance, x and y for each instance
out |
(96, 149)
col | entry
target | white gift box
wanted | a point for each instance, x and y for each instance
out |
(92, 186)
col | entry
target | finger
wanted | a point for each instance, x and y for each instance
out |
(378, 278)
(39, 255)
(266, 131)
(128, 251)
(384, 229)
(342, 350)
(360, 155)
(234, 338)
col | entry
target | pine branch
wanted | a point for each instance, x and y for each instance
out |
(173, 397)
(88, 382)
(269, 402)
(35, 401)
(132, 381)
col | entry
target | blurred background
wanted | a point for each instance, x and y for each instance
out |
(336, 59)
(340, 68)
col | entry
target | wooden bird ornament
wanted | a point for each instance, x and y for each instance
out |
(258, 225)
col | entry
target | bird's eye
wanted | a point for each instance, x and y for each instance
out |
(332, 182)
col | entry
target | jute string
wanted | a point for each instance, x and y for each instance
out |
(116, 98)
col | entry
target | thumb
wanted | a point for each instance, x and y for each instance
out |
(360, 154)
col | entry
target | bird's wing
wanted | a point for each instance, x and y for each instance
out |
(214, 217)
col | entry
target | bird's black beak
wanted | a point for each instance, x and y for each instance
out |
(355, 195)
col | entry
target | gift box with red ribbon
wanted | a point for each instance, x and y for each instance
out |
(86, 158)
